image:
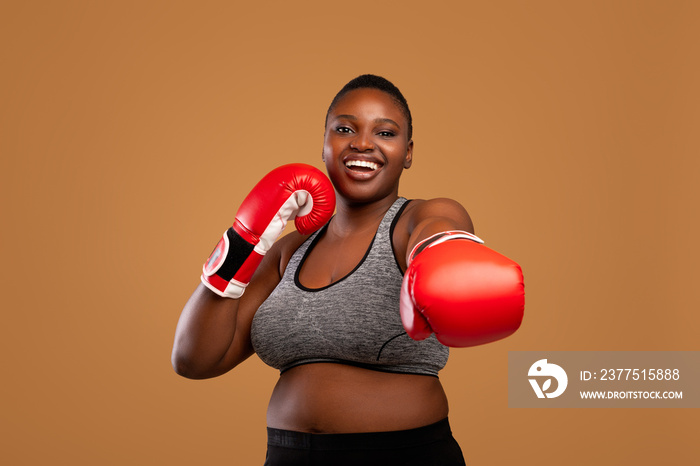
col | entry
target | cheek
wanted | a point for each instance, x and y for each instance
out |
(329, 147)
(397, 151)
(333, 149)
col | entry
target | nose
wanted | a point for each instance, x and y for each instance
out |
(362, 142)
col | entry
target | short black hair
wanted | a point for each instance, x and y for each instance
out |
(372, 81)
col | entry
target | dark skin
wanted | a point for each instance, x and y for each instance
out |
(213, 334)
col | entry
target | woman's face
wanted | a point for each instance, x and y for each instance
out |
(366, 145)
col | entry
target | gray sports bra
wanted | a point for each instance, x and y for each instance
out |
(354, 320)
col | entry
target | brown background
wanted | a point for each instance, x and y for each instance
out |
(130, 132)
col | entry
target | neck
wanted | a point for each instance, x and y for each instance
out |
(352, 218)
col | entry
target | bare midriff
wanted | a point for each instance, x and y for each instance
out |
(339, 398)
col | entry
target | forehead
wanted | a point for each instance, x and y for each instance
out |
(370, 102)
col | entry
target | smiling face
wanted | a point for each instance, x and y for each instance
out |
(366, 145)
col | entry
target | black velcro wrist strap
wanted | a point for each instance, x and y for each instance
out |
(238, 251)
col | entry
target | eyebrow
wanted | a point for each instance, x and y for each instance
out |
(377, 120)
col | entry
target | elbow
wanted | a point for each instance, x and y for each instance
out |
(185, 367)
(180, 366)
(189, 367)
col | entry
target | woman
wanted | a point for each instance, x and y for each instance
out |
(324, 309)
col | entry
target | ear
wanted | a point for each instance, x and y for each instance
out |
(409, 155)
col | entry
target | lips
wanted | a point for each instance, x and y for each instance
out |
(360, 164)
(362, 167)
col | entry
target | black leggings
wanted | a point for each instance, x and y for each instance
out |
(431, 445)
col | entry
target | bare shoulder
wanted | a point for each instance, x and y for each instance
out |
(285, 247)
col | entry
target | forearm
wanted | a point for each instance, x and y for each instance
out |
(454, 286)
(435, 216)
(213, 333)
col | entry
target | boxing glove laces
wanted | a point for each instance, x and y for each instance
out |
(296, 191)
(464, 292)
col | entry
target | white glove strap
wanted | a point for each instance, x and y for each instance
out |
(446, 236)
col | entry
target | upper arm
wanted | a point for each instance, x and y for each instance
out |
(262, 284)
(434, 216)
(213, 332)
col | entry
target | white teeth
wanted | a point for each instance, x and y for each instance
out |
(361, 163)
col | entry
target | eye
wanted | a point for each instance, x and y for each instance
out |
(343, 129)
(387, 134)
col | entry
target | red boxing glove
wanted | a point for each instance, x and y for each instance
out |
(464, 292)
(294, 190)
